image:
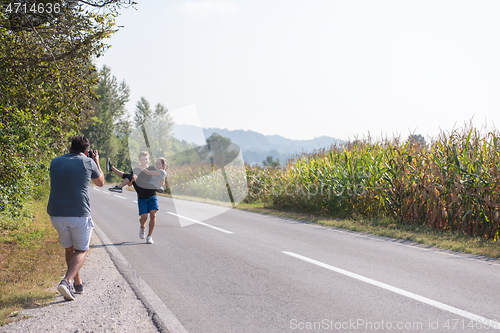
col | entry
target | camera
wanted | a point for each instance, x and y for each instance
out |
(90, 153)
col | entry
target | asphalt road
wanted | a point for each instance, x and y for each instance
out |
(246, 272)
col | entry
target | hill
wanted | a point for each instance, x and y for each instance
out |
(256, 146)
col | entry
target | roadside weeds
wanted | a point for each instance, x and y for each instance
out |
(31, 261)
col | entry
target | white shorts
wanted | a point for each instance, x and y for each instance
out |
(73, 231)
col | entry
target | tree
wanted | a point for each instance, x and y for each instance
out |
(58, 33)
(416, 139)
(109, 127)
(160, 131)
(143, 112)
(153, 130)
(216, 137)
(270, 162)
(221, 150)
(47, 84)
(109, 120)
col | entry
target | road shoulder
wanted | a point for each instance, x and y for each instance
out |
(108, 304)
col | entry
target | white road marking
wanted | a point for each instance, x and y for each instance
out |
(134, 201)
(119, 196)
(106, 192)
(202, 223)
(439, 305)
(139, 285)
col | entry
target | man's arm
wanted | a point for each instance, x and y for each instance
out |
(99, 181)
(150, 172)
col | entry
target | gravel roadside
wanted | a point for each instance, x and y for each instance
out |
(108, 304)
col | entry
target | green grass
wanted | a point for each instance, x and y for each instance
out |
(31, 261)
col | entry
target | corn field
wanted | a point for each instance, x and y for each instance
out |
(452, 183)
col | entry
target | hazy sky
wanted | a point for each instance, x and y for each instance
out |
(302, 69)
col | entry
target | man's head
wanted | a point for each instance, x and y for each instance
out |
(80, 144)
(144, 159)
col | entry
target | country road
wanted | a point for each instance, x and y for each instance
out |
(246, 272)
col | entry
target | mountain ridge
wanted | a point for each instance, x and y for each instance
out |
(256, 146)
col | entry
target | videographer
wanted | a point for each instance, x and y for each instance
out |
(69, 207)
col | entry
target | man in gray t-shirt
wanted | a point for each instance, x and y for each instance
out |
(69, 207)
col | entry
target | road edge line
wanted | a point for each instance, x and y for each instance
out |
(163, 318)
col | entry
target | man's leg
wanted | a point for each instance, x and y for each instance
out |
(75, 262)
(152, 208)
(143, 219)
(73, 232)
(152, 222)
(117, 172)
(125, 182)
(69, 253)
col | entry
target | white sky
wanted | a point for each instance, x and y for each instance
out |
(306, 68)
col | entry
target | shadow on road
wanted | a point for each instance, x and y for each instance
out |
(116, 244)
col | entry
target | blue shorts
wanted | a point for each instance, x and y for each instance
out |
(147, 205)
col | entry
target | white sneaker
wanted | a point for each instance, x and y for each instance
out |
(149, 240)
(142, 232)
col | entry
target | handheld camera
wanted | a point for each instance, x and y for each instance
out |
(91, 153)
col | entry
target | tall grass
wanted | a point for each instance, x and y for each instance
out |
(452, 183)
(31, 258)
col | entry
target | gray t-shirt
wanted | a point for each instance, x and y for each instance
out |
(70, 176)
(161, 178)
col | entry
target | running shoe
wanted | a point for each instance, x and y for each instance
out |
(142, 232)
(149, 240)
(78, 288)
(65, 290)
(108, 165)
(115, 189)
